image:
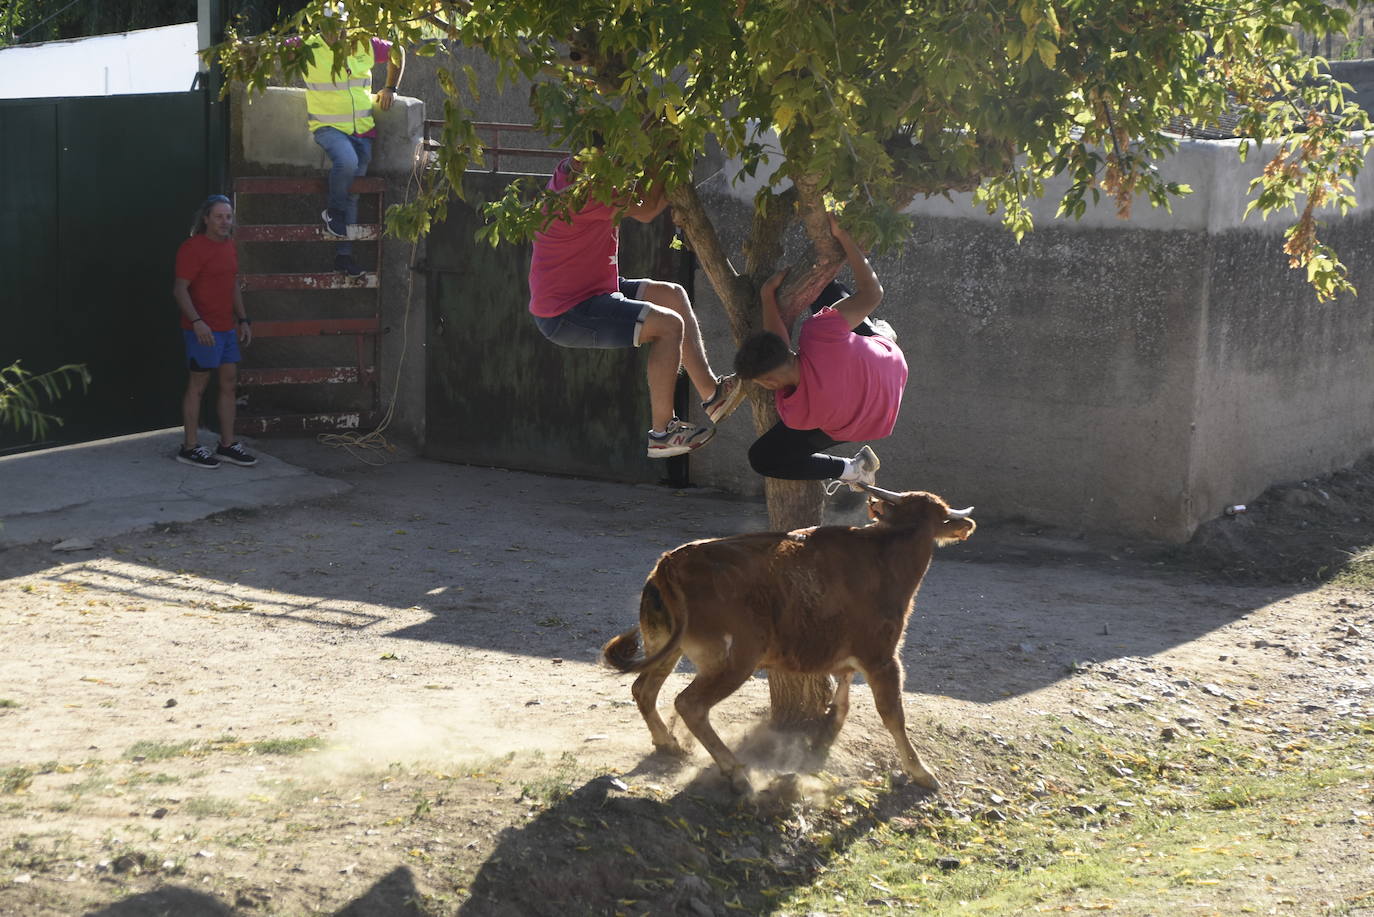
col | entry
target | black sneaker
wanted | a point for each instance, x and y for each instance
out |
(198, 456)
(235, 454)
(345, 264)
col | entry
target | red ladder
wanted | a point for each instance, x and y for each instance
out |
(365, 331)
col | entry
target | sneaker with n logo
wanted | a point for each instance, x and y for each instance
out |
(729, 394)
(679, 438)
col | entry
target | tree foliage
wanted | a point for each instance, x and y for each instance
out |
(29, 21)
(863, 105)
(23, 394)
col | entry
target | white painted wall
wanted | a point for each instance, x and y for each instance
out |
(128, 63)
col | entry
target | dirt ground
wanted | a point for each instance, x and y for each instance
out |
(387, 702)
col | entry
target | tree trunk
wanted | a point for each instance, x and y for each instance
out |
(798, 701)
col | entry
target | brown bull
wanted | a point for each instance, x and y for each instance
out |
(829, 600)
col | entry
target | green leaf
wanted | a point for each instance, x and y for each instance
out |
(1048, 53)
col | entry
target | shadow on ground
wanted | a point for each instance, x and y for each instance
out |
(394, 895)
(552, 567)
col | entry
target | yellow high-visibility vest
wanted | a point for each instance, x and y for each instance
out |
(340, 100)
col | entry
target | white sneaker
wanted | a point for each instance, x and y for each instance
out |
(729, 394)
(680, 438)
(865, 471)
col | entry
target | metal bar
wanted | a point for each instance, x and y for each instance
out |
(328, 281)
(309, 327)
(273, 185)
(311, 232)
(321, 375)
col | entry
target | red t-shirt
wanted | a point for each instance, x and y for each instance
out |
(211, 268)
(574, 261)
(851, 385)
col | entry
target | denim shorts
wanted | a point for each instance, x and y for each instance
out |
(606, 321)
(199, 358)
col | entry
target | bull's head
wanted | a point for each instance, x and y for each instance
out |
(887, 507)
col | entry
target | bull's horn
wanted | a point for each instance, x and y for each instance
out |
(961, 513)
(881, 494)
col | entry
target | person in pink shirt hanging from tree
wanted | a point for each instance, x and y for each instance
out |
(843, 383)
(579, 299)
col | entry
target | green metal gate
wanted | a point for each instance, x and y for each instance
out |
(498, 393)
(95, 196)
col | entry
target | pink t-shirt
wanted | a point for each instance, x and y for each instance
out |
(851, 385)
(574, 261)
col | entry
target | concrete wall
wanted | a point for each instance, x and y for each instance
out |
(1134, 376)
(270, 138)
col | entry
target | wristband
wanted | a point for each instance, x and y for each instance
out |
(392, 88)
(245, 321)
(194, 320)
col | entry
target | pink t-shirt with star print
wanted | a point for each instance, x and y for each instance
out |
(574, 261)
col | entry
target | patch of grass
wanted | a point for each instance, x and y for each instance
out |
(16, 779)
(285, 746)
(1358, 572)
(7, 704)
(92, 784)
(210, 807)
(554, 785)
(36, 852)
(1108, 824)
(160, 751)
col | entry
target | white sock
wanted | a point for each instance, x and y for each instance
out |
(851, 470)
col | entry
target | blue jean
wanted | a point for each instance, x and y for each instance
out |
(610, 320)
(350, 156)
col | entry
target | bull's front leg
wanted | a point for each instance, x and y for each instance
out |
(839, 708)
(886, 681)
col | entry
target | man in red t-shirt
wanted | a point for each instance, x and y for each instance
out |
(213, 322)
(579, 299)
(843, 384)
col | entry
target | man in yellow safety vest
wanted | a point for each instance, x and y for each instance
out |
(338, 103)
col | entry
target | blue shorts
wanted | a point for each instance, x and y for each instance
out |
(201, 359)
(606, 321)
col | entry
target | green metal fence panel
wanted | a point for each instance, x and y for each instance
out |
(498, 393)
(99, 192)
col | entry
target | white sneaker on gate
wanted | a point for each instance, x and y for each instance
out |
(679, 438)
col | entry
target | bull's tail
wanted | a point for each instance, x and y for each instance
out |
(619, 652)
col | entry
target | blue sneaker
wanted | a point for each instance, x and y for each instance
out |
(334, 224)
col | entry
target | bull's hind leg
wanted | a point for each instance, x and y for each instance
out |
(886, 681)
(645, 690)
(710, 687)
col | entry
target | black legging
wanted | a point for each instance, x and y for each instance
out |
(795, 455)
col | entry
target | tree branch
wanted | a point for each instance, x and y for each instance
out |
(735, 292)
